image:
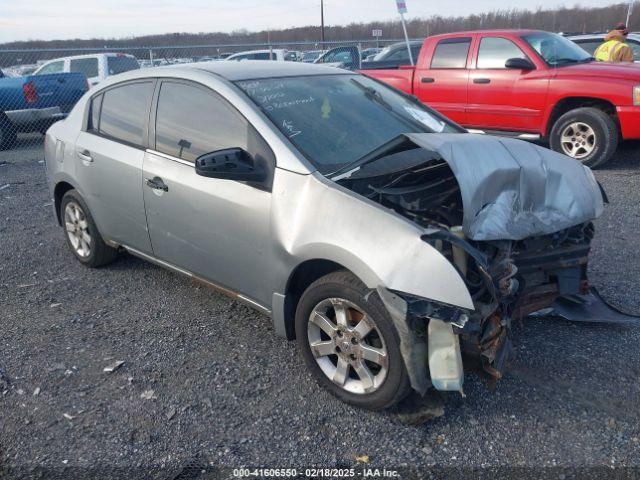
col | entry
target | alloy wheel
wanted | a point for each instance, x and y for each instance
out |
(347, 346)
(77, 229)
(578, 140)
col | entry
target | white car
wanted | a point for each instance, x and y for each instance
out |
(96, 66)
(590, 42)
(277, 54)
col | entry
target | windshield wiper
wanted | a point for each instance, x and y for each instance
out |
(565, 61)
(373, 155)
(372, 94)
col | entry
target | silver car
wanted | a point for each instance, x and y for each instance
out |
(381, 236)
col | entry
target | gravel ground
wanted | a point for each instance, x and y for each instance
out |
(221, 387)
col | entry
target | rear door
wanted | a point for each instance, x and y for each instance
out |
(504, 99)
(217, 229)
(442, 83)
(109, 155)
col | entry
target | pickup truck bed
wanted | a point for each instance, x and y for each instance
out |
(34, 102)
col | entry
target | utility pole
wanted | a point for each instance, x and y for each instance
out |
(631, 2)
(322, 24)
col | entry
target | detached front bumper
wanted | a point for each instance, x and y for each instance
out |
(34, 116)
(629, 118)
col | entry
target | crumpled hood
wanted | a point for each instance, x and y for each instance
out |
(513, 189)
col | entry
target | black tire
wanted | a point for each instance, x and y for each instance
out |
(605, 131)
(344, 285)
(100, 253)
(8, 134)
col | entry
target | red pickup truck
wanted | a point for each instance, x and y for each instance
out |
(529, 84)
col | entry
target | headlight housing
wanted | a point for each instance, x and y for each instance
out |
(636, 95)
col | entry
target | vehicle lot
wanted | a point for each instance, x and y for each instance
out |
(227, 390)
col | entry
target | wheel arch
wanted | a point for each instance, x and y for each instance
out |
(567, 104)
(303, 275)
(59, 190)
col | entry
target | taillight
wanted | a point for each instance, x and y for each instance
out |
(30, 92)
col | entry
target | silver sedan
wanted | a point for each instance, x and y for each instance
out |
(381, 236)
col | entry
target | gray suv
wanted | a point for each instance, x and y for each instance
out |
(381, 236)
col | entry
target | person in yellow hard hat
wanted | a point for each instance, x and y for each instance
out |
(614, 48)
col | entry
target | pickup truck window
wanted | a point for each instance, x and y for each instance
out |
(121, 63)
(495, 51)
(53, 67)
(192, 121)
(451, 53)
(87, 66)
(556, 50)
(125, 112)
(334, 120)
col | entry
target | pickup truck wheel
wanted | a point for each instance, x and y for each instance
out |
(83, 237)
(349, 342)
(586, 134)
(8, 134)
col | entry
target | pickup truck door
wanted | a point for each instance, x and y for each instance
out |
(500, 98)
(441, 77)
(215, 228)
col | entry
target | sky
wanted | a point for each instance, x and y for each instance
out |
(63, 19)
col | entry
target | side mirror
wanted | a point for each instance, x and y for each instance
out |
(230, 164)
(520, 64)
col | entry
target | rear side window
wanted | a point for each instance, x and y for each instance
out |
(263, 56)
(125, 112)
(494, 52)
(192, 121)
(121, 64)
(55, 67)
(451, 53)
(87, 66)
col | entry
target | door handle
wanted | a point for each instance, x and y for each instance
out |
(84, 155)
(157, 184)
(482, 80)
(427, 80)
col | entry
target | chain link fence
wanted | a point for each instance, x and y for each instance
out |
(39, 87)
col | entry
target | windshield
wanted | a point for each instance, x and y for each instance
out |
(121, 64)
(335, 120)
(556, 50)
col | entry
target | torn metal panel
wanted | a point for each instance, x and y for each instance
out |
(511, 189)
(591, 308)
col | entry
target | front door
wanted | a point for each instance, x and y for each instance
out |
(108, 158)
(217, 229)
(501, 98)
(443, 84)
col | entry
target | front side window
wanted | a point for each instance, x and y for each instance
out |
(54, 67)
(451, 53)
(125, 112)
(556, 50)
(337, 119)
(494, 52)
(192, 121)
(87, 66)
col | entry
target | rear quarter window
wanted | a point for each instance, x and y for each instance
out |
(86, 66)
(451, 53)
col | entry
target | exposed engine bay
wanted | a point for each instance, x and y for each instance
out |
(505, 232)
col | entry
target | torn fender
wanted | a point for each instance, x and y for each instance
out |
(513, 189)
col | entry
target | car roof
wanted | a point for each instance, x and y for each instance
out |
(254, 69)
(598, 36)
(89, 55)
(265, 50)
(503, 31)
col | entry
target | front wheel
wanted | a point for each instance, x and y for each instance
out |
(349, 342)
(587, 134)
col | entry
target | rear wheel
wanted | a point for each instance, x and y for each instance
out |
(8, 133)
(587, 134)
(82, 235)
(349, 342)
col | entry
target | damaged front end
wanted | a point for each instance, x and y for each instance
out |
(513, 218)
